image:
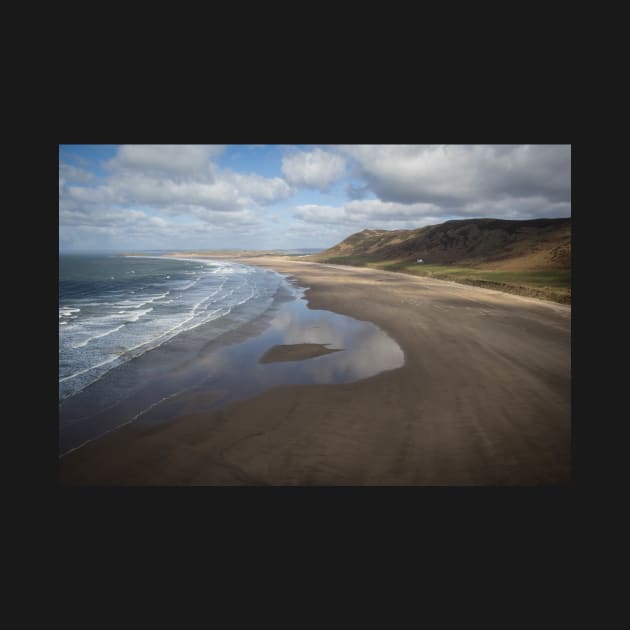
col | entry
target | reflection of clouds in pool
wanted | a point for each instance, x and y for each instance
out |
(317, 328)
(368, 351)
(365, 350)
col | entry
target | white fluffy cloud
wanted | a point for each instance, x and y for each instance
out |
(314, 213)
(158, 158)
(314, 169)
(452, 175)
(224, 194)
(196, 199)
(69, 173)
(112, 218)
(367, 213)
(261, 189)
(374, 213)
(172, 179)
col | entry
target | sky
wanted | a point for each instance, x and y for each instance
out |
(142, 197)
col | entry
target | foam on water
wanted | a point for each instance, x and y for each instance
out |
(106, 319)
(107, 332)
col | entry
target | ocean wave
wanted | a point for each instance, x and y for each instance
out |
(107, 332)
(135, 316)
(214, 292)
(88, 369)
(246, 299)
(67, 311)
(188, 286)
(192, 314)
(140, 304)
(166, 335)
(154, 405)
(159, 297)
(122, 424)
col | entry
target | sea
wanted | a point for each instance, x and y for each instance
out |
(114, 308)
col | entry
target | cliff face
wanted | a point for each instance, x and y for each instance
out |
(541, 244)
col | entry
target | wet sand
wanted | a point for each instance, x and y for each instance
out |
(295, 352)
(483, 399)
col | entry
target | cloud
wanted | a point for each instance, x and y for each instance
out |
(314, 213)
(261, 189)
(160, 192)
(171, 180)
(517, 208)
(455, 175)
(196, 198)
(188, 160)
(231, 192)
(367, 213)
(374, 213)
(113, 218)
(315, 169)
(133, 229)
(236, 219)
(69, 173)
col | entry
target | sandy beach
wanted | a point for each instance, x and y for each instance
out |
(483, 398)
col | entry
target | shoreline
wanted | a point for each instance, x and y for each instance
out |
(212, 344)
(483, 399)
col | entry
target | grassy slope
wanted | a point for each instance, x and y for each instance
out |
(524, 257)
(550, 285)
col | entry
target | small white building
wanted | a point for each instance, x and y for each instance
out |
(419, 260)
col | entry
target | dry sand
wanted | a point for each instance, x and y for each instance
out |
(483, 399)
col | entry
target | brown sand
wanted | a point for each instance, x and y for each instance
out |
(295, 352)
(483, 398)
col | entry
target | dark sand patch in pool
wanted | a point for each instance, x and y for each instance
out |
(295, 352)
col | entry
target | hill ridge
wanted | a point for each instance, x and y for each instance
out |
(482, 243)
